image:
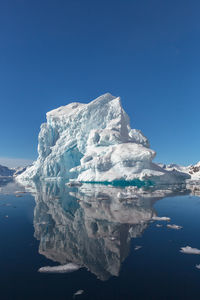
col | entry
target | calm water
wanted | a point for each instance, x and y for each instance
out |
(99, 228)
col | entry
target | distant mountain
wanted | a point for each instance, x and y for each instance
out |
(6, 172)
(192, 170)
(19, 170)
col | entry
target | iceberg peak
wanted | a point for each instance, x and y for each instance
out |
(94, 143)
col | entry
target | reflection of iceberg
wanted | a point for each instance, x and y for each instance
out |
(5, 181)
(194, 187)
(9, 186)
(91, 226)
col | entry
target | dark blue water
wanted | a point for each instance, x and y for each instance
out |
(95, 228)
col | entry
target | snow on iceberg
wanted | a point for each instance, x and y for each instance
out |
(94, 143)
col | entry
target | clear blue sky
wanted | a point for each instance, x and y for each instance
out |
(147, 52)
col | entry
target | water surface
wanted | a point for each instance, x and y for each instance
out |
(108, 232)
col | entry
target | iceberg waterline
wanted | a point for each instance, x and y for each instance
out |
(94, 143)
(123, 183)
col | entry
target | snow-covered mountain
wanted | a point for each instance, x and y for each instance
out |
(192, 170)
(6, 172)
(94, 143)
(19, 170)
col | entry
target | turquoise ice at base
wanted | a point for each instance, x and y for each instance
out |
(122, 183)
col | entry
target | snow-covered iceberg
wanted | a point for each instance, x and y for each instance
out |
(94, 143)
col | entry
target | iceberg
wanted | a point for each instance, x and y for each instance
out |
(94, 143)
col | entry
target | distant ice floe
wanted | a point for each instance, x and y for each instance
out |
(190, 250)
(137, 248)
(156, 218)
(198, 267)
(68, 268)
(173, 226)
(79, 292)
